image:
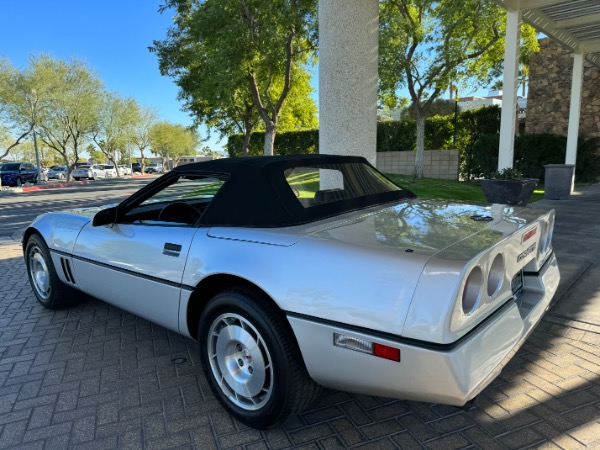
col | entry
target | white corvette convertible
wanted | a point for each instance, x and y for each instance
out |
(306, 271)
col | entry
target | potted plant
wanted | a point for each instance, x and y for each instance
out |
(508, 186)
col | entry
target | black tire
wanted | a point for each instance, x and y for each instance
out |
(19, 182)
(76, 178)
(258, 356)
(47, 287)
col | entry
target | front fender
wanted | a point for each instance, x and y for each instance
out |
(59, 230)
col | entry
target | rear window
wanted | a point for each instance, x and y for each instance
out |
(318, 185)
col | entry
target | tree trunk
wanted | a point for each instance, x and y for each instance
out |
(420, 154)
(270, 139)
(247, 136)
(143, 165)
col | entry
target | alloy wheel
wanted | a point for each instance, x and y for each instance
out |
(240, 361)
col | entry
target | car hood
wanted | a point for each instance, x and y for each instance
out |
(427, 227)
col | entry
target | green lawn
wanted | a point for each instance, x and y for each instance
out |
(449, 189)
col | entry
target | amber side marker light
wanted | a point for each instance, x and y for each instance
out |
(363, 346)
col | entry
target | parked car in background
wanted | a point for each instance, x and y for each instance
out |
(18, 173)
(301, 271)
(57, 173)
(110, 171)
(125, 170)
(136, 167)
(154, 168)
(91, 172)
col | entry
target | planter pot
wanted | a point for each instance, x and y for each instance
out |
(509, 192)
(558, 181)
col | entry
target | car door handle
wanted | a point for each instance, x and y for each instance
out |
(171, 249)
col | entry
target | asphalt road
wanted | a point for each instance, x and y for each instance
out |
(17, 210)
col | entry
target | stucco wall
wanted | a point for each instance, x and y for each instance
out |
(437, 163)
(550, 92)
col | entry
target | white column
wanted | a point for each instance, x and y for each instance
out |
(348, 63)
(575, 108)
(508, 119)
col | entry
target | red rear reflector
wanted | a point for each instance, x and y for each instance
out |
(529, 235)
(383, 351)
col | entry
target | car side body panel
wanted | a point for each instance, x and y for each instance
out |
(135, 267)
(315, 277)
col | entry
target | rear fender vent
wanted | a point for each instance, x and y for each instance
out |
(66, 267)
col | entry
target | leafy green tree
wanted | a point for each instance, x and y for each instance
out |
(228, 54)
(207, 151)
(140, 137)
(72, 106)
(97, 156)
(23, 97)
(219, 98)
(439, 107)
(428, 45)
(299, 112)
(171, 142)
(115, 126)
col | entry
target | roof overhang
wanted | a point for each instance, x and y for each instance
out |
(575, 24)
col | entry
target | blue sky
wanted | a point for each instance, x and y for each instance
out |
(112, 36)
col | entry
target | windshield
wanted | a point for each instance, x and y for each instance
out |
(9, 166)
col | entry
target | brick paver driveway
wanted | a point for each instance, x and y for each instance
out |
(95, 376)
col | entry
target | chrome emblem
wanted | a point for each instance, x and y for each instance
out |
(528, 251)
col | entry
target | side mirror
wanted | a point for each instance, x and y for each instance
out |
(107, 216)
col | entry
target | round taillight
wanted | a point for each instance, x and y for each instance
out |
(472, 290)
(495, 275)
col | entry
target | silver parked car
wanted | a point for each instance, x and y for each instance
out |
(125, 170)
(110, 171)
(57, 173)
(91, 172)
(297, 272)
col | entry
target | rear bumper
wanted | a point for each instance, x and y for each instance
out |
(451, 375)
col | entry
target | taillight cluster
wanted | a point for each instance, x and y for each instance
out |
(475, 282)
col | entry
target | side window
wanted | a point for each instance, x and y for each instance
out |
(182, 203)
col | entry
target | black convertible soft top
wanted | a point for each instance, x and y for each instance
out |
(258, 195)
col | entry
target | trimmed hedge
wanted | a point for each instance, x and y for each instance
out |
(532, 152)
(392, 136)
(288, 143)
